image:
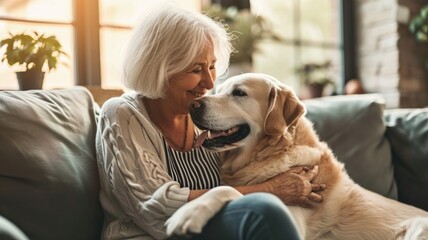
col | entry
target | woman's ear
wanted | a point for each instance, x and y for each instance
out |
(284, 111)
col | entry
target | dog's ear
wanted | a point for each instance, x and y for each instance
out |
(284, 111)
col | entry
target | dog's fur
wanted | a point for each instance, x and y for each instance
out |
(281, 137)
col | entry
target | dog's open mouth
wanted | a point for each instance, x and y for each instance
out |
(210, 138)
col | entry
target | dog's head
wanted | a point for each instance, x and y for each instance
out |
(245, 108)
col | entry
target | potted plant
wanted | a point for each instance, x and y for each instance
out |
(419, 27)
(34, 53)
(247, 28)
(316, 76)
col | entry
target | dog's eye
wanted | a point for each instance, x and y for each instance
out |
(239, 93)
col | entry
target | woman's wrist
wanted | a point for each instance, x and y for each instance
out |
(246, 189)
(261, 187)
(195, 194)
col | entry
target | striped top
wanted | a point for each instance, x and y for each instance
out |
(196, 169)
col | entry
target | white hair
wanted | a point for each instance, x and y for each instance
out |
(167, 42)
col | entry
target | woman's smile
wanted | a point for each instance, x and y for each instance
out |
(197, 94)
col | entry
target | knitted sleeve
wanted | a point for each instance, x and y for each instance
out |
(132, 173)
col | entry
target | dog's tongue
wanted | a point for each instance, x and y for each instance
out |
(210, 134)
(201, 138)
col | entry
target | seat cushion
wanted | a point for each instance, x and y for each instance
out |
(407, 130)
(354, 128)
(48, 175)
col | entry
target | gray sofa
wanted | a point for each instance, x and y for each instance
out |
(48, 175)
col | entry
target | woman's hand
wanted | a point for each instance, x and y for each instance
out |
(294, 187)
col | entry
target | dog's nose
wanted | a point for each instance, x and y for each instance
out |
(196, 107)
(195, 104)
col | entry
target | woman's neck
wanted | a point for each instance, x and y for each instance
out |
(176, 128)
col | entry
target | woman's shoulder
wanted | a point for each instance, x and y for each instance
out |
(125, 110)
(128, 113)
(121, 101)
(127, 103)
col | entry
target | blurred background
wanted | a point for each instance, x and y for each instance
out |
(344, 46)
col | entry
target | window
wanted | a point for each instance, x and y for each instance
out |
(311, 34)
(27, 16)
(93, 33)
(116, 21)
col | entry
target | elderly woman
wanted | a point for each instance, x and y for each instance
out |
(147, 161)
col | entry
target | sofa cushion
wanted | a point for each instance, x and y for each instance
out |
(48, 175)
(353, 127)
(407, 130)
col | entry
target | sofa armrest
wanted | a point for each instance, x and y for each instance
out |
(48, 176)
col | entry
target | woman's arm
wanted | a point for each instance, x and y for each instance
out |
(134, 181)
(262, 187)
(293, 187)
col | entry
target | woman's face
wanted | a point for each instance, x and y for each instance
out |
(192, 83)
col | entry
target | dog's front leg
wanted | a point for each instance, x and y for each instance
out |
(299, 155)
(260, 171)
(193, 216)
(303, 155)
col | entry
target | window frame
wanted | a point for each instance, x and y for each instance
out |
(347, 37)
(86, 25)
(87, 39)
(348, 32)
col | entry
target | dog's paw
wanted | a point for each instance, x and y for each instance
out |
(192, 217)
(414, 228)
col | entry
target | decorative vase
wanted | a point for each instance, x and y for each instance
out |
(30, 79)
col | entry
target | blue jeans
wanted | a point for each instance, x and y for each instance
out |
(255, 216)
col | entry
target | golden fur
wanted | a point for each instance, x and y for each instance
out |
(282, 137)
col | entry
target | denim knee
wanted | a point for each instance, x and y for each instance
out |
(256, 216)
(274, 215)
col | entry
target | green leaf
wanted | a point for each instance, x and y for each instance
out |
(32, 51)
(5, 42)
(421, 37)
(415, 23)
(424, 12)
(246, 29)
(52, 62)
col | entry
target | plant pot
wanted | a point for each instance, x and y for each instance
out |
(315, 90)
(30, 79)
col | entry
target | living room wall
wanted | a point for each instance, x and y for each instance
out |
(389, 59)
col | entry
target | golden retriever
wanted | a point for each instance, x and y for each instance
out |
(259, 126)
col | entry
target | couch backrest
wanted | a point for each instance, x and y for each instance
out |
(48, 175)
(354, 128)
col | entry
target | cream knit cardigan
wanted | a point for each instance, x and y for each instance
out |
(137, 194)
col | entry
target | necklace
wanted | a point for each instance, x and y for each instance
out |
(169, 140)
(183, 145)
